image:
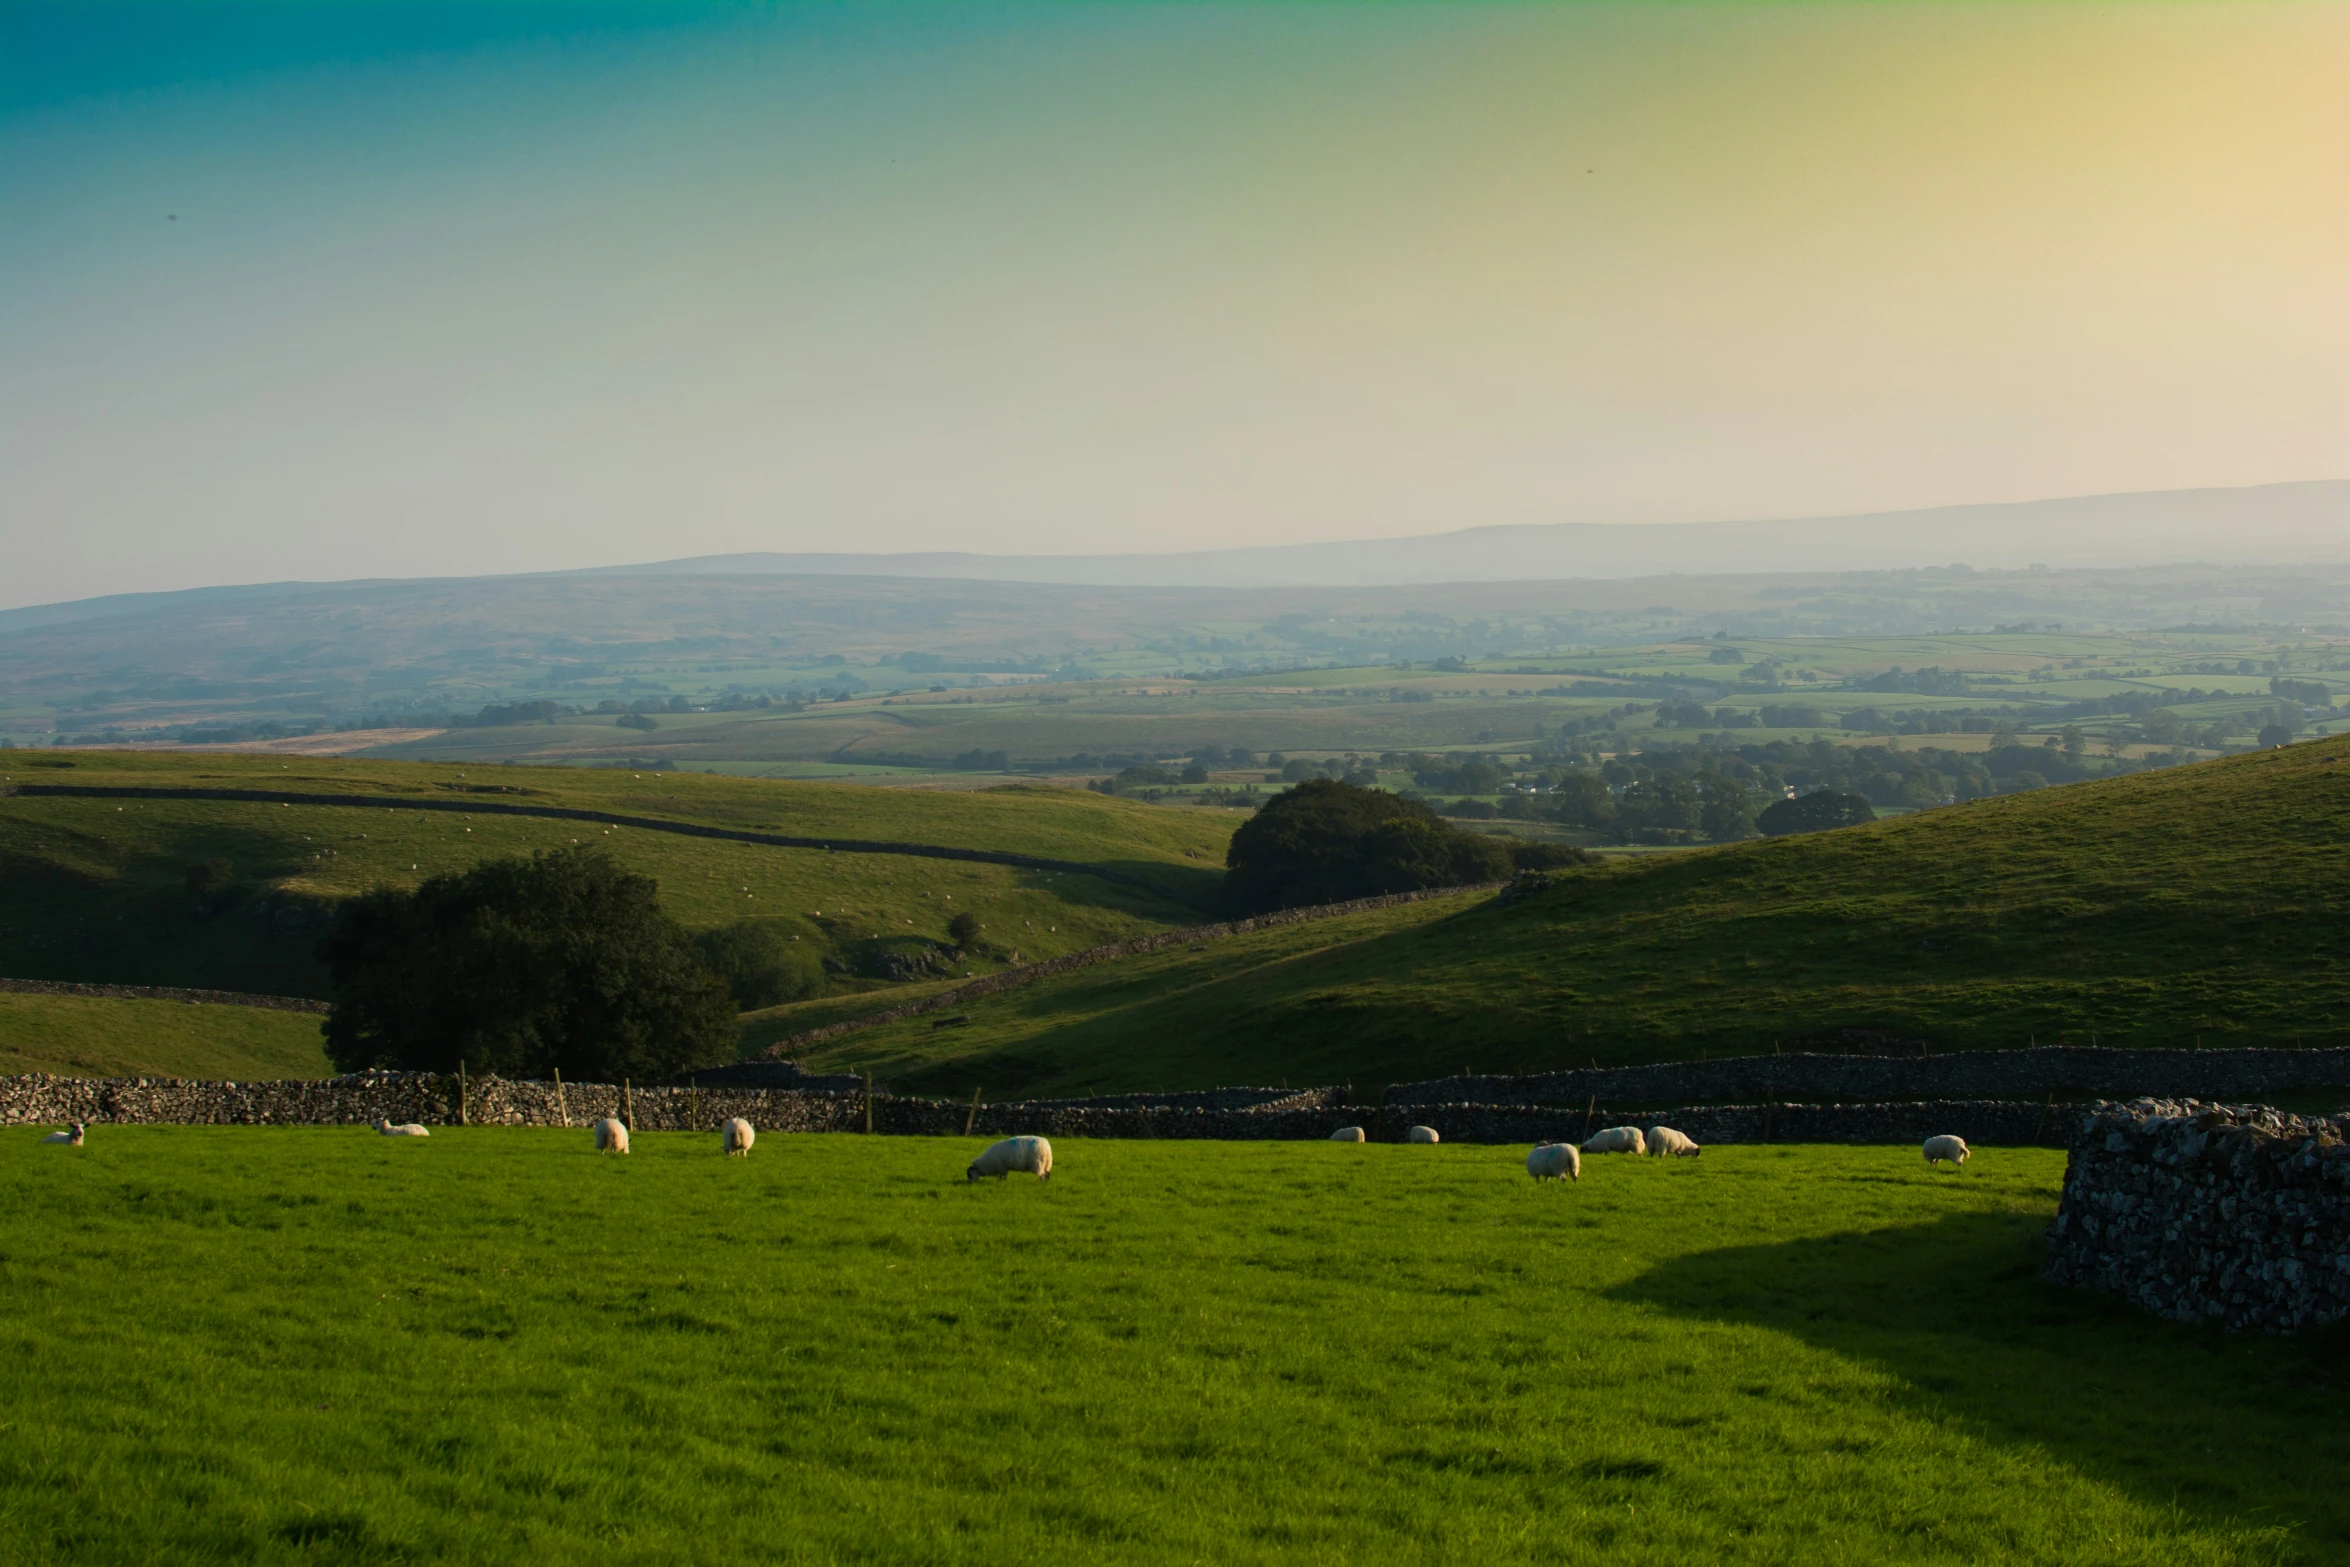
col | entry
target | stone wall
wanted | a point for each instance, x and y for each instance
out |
(215, 998)
(2074, 1072)
(1226, 1114)
(2201, 1212)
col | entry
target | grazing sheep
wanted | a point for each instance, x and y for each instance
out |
(1616, 1139)
(410, 1129)
(1348, 1134)
(1014, 1153)
(71, 1136)
(1666, 1143)
(735, 1136)
(611, 1136)
(1555, 1162)
(1947, 1147)
(1422, 1134)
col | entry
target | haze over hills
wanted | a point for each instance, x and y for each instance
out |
(2273, 523)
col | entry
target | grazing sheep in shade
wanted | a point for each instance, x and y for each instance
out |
(1422, 1134)
(1555, 1162)
(1616, 1139)
(1031, 1154)
(71, 1136)
(1666, 1143)
(735, 1136)
(1347, 1134)
(408, 1129)
(1947, 1147)
(611, 1136)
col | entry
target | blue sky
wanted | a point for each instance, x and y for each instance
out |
(313, 290)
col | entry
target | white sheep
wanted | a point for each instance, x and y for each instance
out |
(1946, 1147)
(735, 1136)
(611, 1136)
(71, 1136)
(1348, 1134)
(1555, 1162)
(1616, 1139)
(1666, 1143)
(1014, 1153)
(1422, 1134)
(409, 1129)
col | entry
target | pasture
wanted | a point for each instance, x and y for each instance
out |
(314, 1344)
(112, 1036)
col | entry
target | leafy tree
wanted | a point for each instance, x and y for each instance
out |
(1326, 841)
(2274, 734)
(1815, 812)
(522, 966)
(1548, 856)
(963, 930)
(759, 963)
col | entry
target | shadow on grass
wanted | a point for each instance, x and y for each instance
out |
(2219, 1426)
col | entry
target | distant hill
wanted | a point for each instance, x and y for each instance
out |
(2201, 904)
(2266, 523)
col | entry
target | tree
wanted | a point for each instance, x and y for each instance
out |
(759, 963)
(1818, 811)
(1326, 841)
(520, 967)
(963, 930)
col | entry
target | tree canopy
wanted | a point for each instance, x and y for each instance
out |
(1818, 811)
(760, 963)
(523, 966)
(1326, 841)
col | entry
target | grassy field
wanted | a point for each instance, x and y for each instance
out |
(95, 890)
(94, 1036)
(292, 1345)
(2196, 904)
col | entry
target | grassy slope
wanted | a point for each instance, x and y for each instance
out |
(2201, 902)
(91, 1036)
(93, 890)
(492, 1346)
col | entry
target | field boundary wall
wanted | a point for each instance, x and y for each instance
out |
(437, 1099)
(2200, 1212)
(480, 807)
(1133, 946)
(2082, 1072)
(206, 998)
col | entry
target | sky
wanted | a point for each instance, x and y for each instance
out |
(311, 290)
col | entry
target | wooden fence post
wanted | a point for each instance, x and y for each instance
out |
(972, 1114)
(562, 1110)
(461, 1094)
(627, 1107)
(868, 1103)
(1589, 1111)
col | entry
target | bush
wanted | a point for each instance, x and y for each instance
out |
(1548, 856)
(637, 721)
(759, 963)
(1326, 841)
(520, 967)
(1818, 811)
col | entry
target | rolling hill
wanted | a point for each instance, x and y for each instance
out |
(2201, 904)
(95, 886)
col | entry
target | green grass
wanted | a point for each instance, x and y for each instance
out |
(2195, 904)
(289, 1345)
(94, 1036)
(94, 890)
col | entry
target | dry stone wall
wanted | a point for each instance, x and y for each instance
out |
(2075, 1072)
(2202, 1212)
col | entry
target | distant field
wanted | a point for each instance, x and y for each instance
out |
(96, 890)
(91, 1036)
(317, 1345)
(2200, 904)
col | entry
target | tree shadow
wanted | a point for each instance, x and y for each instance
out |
(2221, 1427)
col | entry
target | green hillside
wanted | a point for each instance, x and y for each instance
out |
(2197, 904)
(92, 1036)
(97, 889)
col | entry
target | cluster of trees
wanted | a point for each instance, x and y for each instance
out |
(1326, 841)
(559, 962)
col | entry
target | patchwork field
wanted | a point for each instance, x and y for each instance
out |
(285, 1345)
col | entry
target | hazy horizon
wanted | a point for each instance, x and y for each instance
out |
(310, 292)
